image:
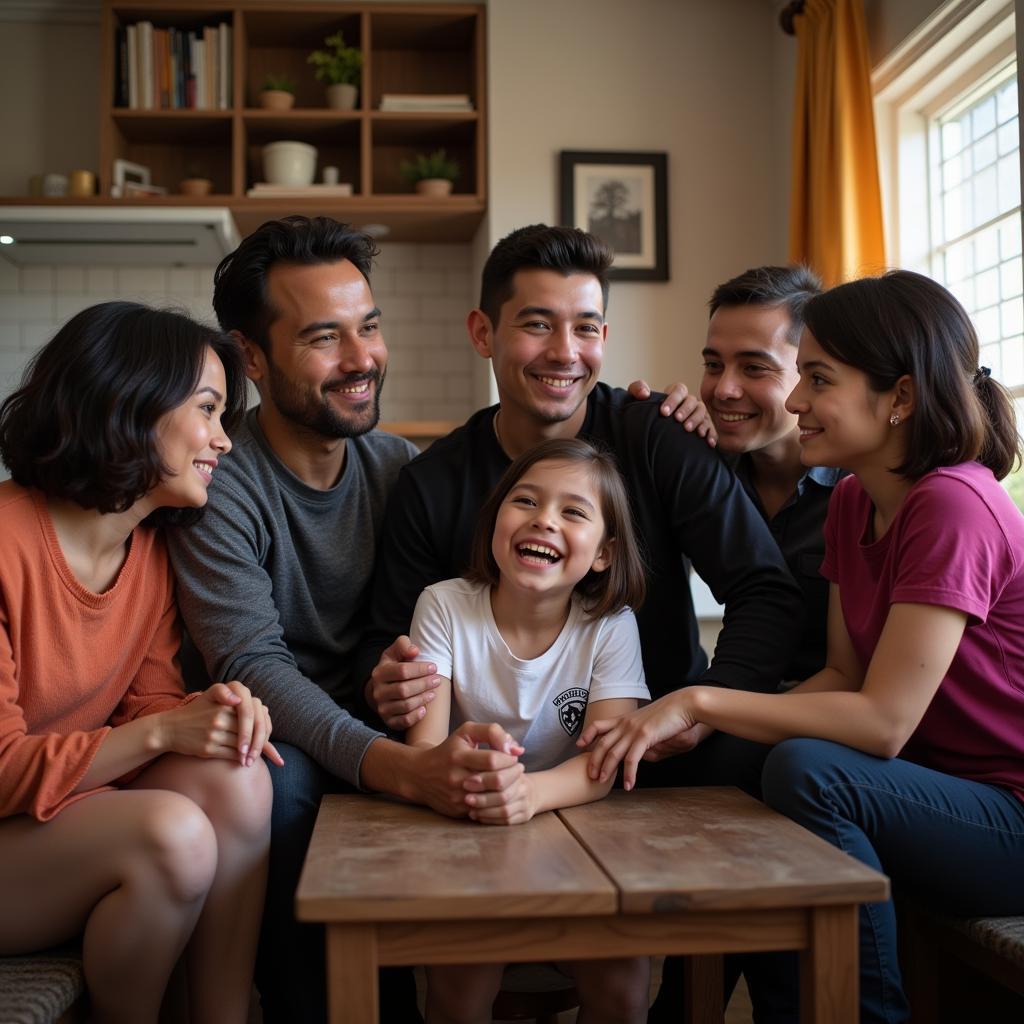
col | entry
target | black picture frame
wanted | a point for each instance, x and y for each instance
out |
(635, 183)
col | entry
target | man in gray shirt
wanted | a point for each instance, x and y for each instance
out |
(273, 581)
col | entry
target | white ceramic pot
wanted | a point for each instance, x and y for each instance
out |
(341, 96)
(289, 163)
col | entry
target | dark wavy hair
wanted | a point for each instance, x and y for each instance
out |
(788, 287)
(904, 323)
(539, 247)
(240, 282)
(604, 593)
(83, 423)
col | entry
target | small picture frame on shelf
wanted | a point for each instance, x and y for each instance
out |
(127, 173)
(622, 198)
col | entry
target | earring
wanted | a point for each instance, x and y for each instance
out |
(894, 419)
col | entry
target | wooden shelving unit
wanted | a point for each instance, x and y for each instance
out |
(421, 48)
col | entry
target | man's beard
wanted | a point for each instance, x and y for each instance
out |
(313, 410)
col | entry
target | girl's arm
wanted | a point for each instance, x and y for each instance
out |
(432, 729)
(914, 652)
(565, 785)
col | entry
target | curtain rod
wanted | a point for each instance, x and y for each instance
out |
(787, 14)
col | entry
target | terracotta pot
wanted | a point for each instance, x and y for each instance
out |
(434, 187)
(195, 187)
(276, 99)
(342, 96)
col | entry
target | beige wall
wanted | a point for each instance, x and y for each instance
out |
(708, 83)
(49, 111)
(889, 22)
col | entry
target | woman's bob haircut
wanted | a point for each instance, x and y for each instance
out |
(83, 424)
(623, 583)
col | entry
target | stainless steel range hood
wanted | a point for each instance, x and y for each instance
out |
(161, 236)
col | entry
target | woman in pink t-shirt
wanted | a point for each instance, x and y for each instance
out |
(912, 750)
(130, 815)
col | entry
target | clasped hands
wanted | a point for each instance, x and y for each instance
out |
(476, 772)
(225, 721)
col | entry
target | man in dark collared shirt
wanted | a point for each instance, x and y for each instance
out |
(749, 371)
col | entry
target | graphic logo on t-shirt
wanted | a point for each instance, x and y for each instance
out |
(572, 705)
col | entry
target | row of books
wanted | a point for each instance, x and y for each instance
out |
(173, 69)
(438, 102)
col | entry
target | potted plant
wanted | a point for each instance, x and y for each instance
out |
(194, 184)
(431, 174)
(278, 93)
(339, 66)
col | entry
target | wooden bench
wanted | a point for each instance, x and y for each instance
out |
(935, 949)
(698, 872)
(43, 988)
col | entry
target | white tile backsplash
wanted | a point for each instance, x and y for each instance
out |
(424, 292)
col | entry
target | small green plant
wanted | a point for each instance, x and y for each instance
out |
(279, 83)
(338, 65)
(429, 165)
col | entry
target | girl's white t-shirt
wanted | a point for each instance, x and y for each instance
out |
(541, 702)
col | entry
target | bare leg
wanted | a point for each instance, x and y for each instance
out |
(612, 991)
(462, 993)
(222, 951)
(130, 870)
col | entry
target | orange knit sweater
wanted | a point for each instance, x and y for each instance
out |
(74, 663)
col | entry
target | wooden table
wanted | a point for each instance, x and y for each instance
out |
(700, 871)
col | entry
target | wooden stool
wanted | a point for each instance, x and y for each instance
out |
(534, 992)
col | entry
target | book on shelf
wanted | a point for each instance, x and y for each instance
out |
(136, 190)
(172, 68)
(411, 102)
(265, 190)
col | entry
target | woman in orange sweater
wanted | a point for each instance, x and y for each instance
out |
(129, 813)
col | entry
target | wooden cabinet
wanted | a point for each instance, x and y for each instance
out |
(407, 48)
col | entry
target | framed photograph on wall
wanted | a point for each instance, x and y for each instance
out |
(623, 199)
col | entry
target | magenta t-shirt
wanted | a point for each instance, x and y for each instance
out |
(957, 541)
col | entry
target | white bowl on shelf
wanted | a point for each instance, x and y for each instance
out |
(289, 163)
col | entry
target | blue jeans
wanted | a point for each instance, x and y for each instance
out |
(956, 845)
(290, 966)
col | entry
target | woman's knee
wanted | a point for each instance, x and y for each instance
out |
(795, 770)
(239, 799)
(178, 842)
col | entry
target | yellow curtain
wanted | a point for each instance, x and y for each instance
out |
(836, 213)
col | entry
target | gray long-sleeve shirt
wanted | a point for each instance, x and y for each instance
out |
(273, 584)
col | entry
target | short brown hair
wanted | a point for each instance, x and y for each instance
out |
(604, 593)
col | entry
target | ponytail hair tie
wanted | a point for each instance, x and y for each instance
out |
(981, 372)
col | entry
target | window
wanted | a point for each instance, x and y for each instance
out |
(947, 107)
(976, 225)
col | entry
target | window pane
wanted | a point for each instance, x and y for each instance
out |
(1013, 362)
(986, 323)
(986, 288)
(1009, 238)
(986, 196)
(952, 138)
(1009, 137)
(1009, 182)
(1010, 280)
(986, 249)
(983, 117)
(984, 152)
(1011, 317)
(1006, 100)
(956, 212)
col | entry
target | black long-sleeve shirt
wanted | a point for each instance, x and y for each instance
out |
(688, 507)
